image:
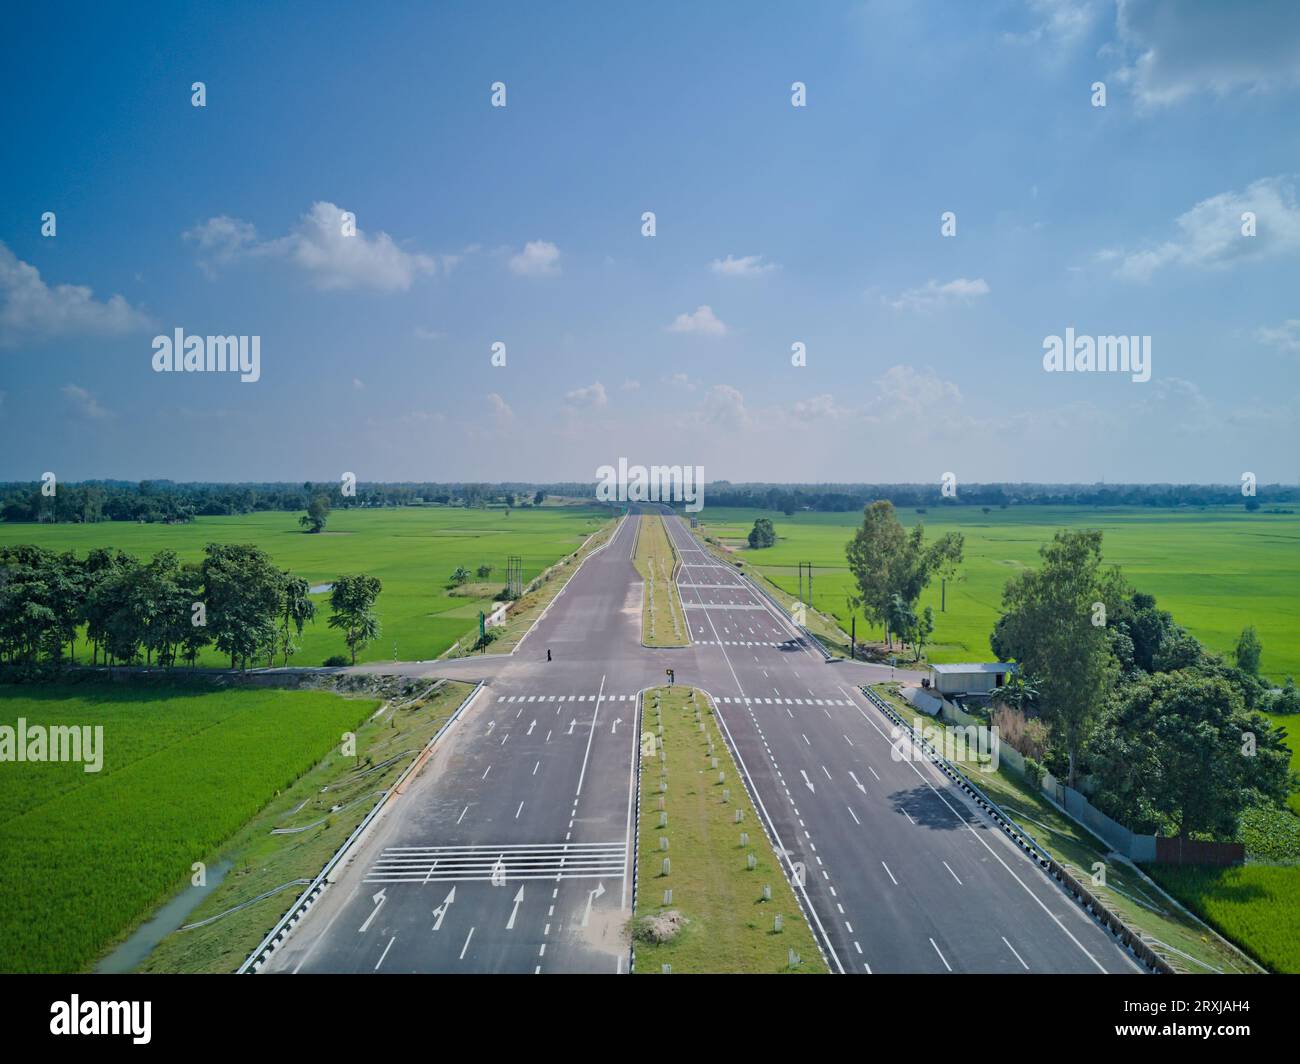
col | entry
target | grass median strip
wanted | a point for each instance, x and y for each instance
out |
(731, 909)
(663, 623)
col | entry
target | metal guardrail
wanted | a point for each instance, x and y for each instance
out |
(1130, 938)
(309, 897)
(1005, 822)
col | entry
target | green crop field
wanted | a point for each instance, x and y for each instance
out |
(85, 856)
(1216, 570)
(413, 550)
(1257, 906)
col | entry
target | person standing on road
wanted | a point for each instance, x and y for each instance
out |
(548, 653)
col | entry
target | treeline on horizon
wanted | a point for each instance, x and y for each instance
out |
(165, 501)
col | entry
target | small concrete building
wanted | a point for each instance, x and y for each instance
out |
(977, 678)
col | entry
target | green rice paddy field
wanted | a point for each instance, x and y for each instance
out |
(413, 550)
(84, 856)
(1216, 570)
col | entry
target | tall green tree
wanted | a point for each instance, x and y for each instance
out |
(762, 534)
(352, 606)
(1179, 752)
(1248, 651)
(887, 560)
(1047, 627)
(242, 589)
(318, 512)
(296, 610)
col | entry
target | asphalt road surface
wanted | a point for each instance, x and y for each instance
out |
(513, 849)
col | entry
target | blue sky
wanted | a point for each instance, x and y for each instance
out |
(522, 224)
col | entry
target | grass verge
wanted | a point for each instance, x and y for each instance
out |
(386, 743)
(726, 924)
(663, 623)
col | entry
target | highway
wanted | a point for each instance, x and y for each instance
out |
(512, 849)
(901, 873)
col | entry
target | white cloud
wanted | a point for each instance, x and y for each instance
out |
(221, 239)
(1058, 23)
(631, 385)
(500, 410)
(1209, 235)
(702, 321)
(32, 311)
(421, 333)
(819, 408)
(540, 258)
(1175, 50)
(904, 391)
(318, 247)
(1285, 337)
(724, 407)
(591, 397)
(932, 294)
(358, 384)
(746, 266)
(86, 403)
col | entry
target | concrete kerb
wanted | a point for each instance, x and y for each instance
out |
(285, 925)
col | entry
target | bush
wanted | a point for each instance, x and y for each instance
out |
(1034, 771)
(658, 929)
(335, 661)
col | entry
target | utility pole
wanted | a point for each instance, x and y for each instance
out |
(853, 640)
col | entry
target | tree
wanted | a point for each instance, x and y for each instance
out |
(1287, 699)
(1019, 692)
(484, 571)
(924, 629)
(318, 512)
(1047, 627)
(352, 605)
(242, 589)
(1248, 651)
(901, 619)
(538, 497)
(886, 561)
(1179, 752)
(762, 534)
(296, 610)
(460, 575)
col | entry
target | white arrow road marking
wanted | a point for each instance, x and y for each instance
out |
(859, 784)
(531, 726)
(491, 724)
(592, 895)
(441, 910)
(617, 722)
(807, 781)
(510, 924)
(571, 725)
(379, 900)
